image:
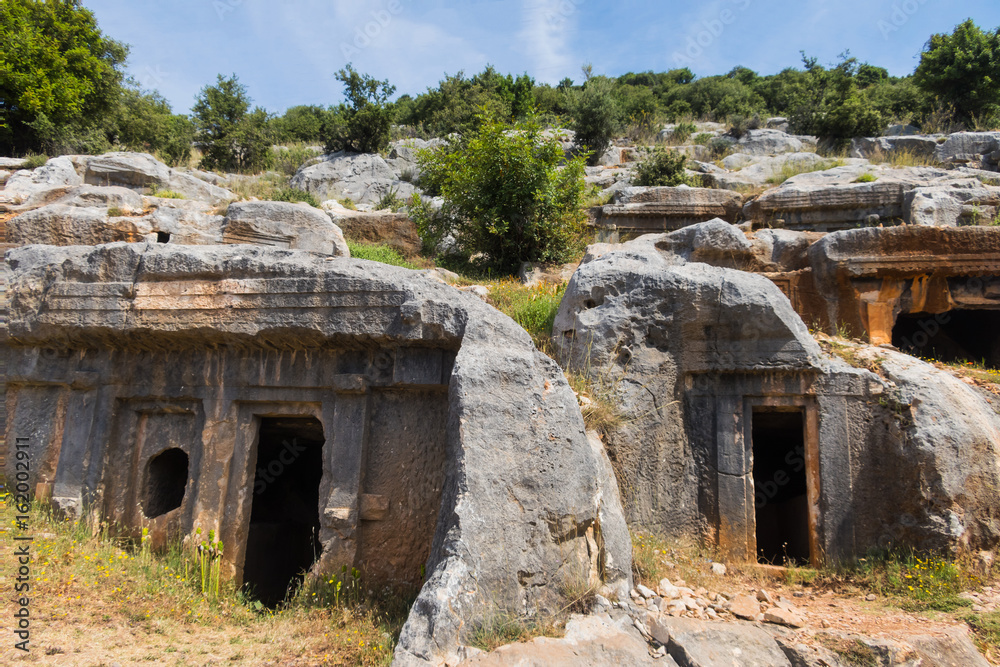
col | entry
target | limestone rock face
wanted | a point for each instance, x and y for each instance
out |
(397, 369)
(640, 320)
(363, 178)
(57, 172)
(197, 189)
(666, 208)
(135, 170)
(834, 199)
(976, 149)
(590, 640)
(62, 224)
(769, 142)
(395, 230)
(285, 225)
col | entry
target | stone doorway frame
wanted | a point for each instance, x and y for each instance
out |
(809, 408)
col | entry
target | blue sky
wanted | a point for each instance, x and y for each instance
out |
(287, 51)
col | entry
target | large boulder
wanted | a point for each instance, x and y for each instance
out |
(364, 178)
(199, 344)
(770, 142)
(132, 170)
(920, 147)
(58, 172)
(198, 189)
(61, 225)
(975, 149)
(284, 225)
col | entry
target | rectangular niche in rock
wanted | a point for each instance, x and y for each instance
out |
(283, 538)
(781, 504)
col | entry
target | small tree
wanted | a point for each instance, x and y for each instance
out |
(661, 167)
(363, 123)
(596, 117)
(231, 136)
(506, 195)
(963, 69)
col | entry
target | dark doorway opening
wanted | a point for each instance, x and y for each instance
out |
(283, 539)
(166, 479)
(956, 335)
(780, 492)
(163, 237)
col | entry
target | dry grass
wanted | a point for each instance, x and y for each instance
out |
(534, 307)
(96, 600)
(793, 169)
(902, 158)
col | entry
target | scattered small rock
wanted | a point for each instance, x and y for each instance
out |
(744, 606)
(718, 569)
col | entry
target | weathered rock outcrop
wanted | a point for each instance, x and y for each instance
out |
(441, 436)
(363, 178)
(839, 199)
(667, 209)
(693, 353)
(284, 225)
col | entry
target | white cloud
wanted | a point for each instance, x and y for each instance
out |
(545, 37)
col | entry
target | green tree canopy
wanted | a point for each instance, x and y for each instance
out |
(364, 122)
(963, 69)
(57, 71)
(232, 137)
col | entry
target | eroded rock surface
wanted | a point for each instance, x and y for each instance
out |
(197, 345)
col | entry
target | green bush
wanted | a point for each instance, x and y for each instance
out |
(963, 69)
(661, 167)
(683, 131)
(506, 197)
(596, 117)
(362, 125)
(302, 123)
(295, 195)
(232, 137)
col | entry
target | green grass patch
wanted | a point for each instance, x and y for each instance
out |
(295, 195)
(505, 628)
(533, 307)
(165, 194)
(379, 253)
(788, 170)
(866, 177)
(34, 161)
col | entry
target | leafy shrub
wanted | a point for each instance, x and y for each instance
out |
(661, 167)
(683, 131)
(145, 123)
(302, 123)
(866, 177)
(348, 203)
(506, 196)
(378, 253)
(596, 118)
(362, 125)
(961, 69)
(295, 195)
(740, 125)
(232, 137)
